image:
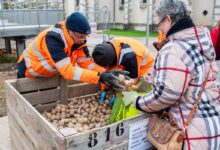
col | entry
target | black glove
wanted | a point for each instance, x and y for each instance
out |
(110, 79)
(117, 72)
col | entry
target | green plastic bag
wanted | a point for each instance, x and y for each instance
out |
(120, 111)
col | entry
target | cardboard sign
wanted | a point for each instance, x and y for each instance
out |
(138, 136)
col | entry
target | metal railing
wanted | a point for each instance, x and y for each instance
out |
(39, 14)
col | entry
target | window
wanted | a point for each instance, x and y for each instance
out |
(122, 2)
(77, 2)
(143, 3)
(121, 5)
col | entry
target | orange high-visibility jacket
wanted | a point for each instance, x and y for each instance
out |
(132, 56)
(53, 52)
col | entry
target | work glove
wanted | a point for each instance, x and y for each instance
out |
(129, 98)
(110, 79)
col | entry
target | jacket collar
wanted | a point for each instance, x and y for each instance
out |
(182, 24)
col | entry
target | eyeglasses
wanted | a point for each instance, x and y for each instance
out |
(79, 36)
(158, 25)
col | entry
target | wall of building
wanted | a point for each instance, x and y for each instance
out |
(69, 7)
(200, 8)
(138, 13)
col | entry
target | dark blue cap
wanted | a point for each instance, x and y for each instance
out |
(77, 22)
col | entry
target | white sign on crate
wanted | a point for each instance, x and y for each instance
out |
(138, 136)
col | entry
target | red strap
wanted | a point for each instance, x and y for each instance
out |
(197, 37)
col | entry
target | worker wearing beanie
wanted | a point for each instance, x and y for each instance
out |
(124, 53)
(57, 49)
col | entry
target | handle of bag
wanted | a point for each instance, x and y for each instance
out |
(170, 118)
(195, 105)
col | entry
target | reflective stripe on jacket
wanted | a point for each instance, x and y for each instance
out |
(53, 52)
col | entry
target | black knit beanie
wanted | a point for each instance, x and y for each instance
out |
(77, 22)
(104, 54)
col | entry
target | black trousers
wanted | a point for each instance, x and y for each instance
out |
(21, 69)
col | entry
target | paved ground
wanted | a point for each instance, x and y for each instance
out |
(4, 134)
(92, 41)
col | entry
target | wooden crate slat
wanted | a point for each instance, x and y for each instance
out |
(26, 85)
(36, 127)
(63, 91)
(120, 146)
(41, 97)
(71, 82)
(82, 89)
(103, 137)
(46, 107)
(16, 133)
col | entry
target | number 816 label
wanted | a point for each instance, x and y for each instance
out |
(93, 137)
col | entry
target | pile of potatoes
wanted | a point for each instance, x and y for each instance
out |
(81, 113)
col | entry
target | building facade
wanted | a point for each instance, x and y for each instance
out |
(135, 14)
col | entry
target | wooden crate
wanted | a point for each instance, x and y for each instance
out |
(26, 98)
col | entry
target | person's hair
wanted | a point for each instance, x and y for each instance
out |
(176, 9)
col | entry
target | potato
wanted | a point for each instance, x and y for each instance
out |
(107, 117)
(70, 125)
(58, 108)
(104, 110)
(108, 111)
(93, 119)
(98, 125)
(121, 78)
(48, 115)
(71, 112)
(106, 101)
(91, 126)
(97, 119)
(61, 123)
(102, 120)
(86, 127)
(73, 120)
(80, 120)
(67, 115)
(80, 129)
(53, 111)
(78, 111)
(85, 114)
(63, 109)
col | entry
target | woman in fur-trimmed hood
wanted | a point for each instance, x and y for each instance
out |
(181, 67)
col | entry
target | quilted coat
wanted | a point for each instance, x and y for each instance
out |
(180, 69)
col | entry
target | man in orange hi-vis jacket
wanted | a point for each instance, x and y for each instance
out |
(124, 53)
(57, 49)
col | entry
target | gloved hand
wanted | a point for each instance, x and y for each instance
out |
(117, 72)
(110, 79)
(129, 98)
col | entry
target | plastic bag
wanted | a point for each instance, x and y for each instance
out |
(120, 111)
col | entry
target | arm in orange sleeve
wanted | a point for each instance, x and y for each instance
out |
(148, 65)
(73, 72)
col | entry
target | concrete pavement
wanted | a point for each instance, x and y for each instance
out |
(4, 134)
